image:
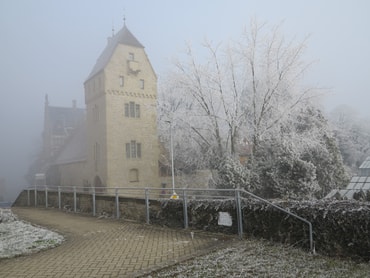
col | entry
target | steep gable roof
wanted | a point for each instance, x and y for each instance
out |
(61, 118)
(75, 149)
(124, 36)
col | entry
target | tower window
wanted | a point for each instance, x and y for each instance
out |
(96, 155)
(95, 111)
(133, 149)
(131, 56)
(121, 81)
(141, 84)
(132, 110)
(134, 175)
(127, 110)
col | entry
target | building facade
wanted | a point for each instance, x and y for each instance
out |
(121, 101)
(116, 143)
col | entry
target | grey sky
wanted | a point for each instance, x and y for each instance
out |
(50, 46)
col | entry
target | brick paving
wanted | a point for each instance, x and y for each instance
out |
(96, 247)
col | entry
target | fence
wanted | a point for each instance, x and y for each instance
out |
(150, 194)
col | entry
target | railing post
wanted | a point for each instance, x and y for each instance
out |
(185, 204)
(312, 248)
(35, 196)
(28, 198)
(59, 198)
(74, 199)
(46, 196)
(239, 213)
(93, 201)
(147, 212)
(117, 204)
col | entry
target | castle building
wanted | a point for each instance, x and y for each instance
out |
(114, 142)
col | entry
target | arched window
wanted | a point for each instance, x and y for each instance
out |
(134, 175)
(98, 184)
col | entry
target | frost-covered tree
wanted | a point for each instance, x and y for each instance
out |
(303, 161)
(353, 136)
(247, 91)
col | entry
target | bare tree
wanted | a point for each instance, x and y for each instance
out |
(250, 91)
(274, 69)
(241, 90)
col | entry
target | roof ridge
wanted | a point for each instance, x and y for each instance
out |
(124, 36)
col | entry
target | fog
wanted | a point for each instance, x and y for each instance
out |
(49, 47)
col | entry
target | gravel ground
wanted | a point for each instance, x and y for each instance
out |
(19, 237)
(257, 258)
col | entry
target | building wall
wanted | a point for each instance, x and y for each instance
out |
(73, 174)
(96, 129)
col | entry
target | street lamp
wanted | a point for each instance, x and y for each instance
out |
(174, 195)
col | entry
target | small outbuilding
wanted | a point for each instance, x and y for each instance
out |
(359, 186)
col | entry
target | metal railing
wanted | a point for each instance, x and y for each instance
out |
(310, 231)
(184, 194)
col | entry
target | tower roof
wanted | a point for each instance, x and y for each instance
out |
(124, 36)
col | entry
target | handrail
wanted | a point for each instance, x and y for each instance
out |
(114, 191)
(287, 212)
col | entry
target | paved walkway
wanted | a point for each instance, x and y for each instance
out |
(104, 247)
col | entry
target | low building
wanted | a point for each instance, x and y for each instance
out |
(359, 186)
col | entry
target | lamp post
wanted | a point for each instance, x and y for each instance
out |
(174, 195)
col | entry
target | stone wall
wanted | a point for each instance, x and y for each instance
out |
(340, 228)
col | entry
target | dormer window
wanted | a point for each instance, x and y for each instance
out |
(131, 56)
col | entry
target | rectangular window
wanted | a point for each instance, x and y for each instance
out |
(95, 110)
(128, 150)
(137, 111)
(132, 110)
(138, 150)
(142, 84)
(121, 81)
(131, 56)
(133, 149)
(127, 110)
(96, 155)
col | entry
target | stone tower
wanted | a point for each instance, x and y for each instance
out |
(121, 99)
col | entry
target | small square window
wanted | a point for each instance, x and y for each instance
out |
(131, 56)
(121, 81)
(134, 175)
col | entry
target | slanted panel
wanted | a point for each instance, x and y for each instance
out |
(354, 179)
(351, 185)
(362, 179)
(349, 194)
(332, 193)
